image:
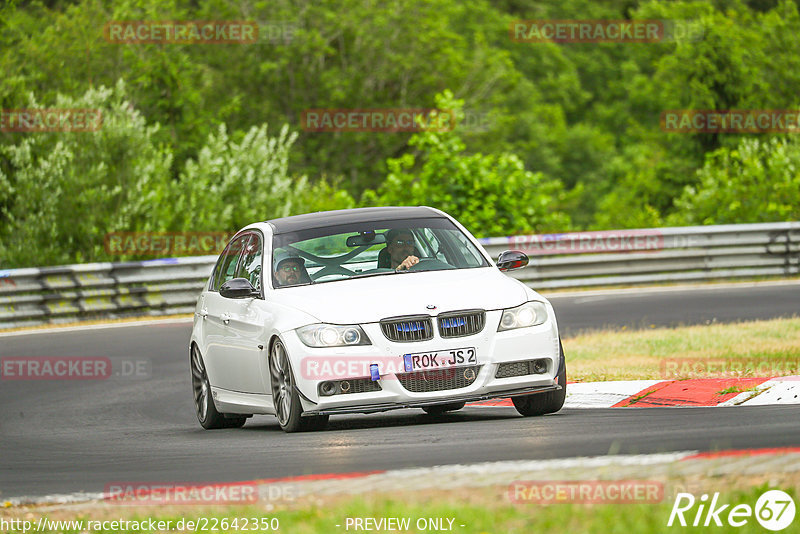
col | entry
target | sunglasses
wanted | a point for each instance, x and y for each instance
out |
(401, 242)
(289, 268)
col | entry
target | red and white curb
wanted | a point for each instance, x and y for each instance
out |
(692, 392)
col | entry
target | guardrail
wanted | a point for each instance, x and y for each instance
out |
(693, 253)
(584, 259)
(73, 292)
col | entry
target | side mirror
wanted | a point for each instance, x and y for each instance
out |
(238, 288)
(512, 259)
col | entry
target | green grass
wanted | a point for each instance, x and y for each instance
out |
(760, 348)
(480, 511)
(731, 389)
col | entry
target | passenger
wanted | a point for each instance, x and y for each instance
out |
(290, 270)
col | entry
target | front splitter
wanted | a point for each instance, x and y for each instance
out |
(386, 406)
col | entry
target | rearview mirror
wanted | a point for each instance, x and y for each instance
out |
(238, 288)
(512, 259)
(365, 238)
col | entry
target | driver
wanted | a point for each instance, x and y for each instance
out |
(289, 269)
(400, 249)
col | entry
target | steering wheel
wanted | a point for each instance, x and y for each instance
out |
(430, 264)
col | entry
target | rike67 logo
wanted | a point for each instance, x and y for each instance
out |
(774, 511)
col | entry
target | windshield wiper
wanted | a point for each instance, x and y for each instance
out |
(367, 275)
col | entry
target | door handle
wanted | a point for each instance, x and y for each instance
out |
(226, 318)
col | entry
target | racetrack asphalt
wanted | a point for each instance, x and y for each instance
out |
(70, 436)
(672, 307)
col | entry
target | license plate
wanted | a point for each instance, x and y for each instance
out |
(439, 359)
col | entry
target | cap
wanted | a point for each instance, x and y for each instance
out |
(283, 256)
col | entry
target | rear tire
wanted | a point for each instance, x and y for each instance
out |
(438, 409)
(544, 403)
(285, 397)
(206, 411)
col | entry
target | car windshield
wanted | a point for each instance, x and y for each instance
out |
(358, 250)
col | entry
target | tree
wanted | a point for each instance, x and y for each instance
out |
(757, 181)
(232, 184)
(490, 194)
(61, 193)
(66, 190)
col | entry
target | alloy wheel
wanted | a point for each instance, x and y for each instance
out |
(199, 385)
(281, 380)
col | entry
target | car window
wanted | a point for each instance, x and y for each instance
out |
(356, 250)
(470, 255)
(432, 244)
(250, 264)
(226, 265)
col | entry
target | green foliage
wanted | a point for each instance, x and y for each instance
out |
(757, 181)
(637, 188)
(573, 127)
(323, 54)
(490, 194)
(232, 184)
(66, 190)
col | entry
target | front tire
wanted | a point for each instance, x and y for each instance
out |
(544, 403)
(285, 397)
(207, 413)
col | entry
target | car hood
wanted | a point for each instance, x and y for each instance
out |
(368, 300)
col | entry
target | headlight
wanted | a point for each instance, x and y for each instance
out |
(529, 314)
(332, 335)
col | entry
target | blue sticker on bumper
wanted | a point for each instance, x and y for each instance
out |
(407, 363)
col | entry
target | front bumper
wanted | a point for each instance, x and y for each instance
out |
(493, 349)
(385, 407)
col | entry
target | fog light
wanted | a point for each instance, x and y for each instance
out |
(539, 366)
(327, 388)
(344, 385)
(469, 374)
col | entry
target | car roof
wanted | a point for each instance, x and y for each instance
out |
(356, 215)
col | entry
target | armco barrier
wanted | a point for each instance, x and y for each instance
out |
(159, 287)
(693, 253)
(70, 292)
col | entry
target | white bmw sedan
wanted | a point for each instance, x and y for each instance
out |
(367, 310)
